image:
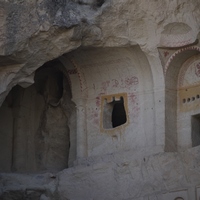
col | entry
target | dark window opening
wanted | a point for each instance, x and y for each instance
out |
(114, 113)
(118, 113)
(195, 130)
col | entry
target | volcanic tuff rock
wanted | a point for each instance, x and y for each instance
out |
(34, 32)
(140, 39)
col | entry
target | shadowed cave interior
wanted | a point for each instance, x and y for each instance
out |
(34, 123)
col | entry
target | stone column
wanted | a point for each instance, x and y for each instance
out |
(81, 129)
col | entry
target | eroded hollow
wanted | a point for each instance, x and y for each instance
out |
(34, 129)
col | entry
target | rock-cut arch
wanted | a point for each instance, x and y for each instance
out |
(38, 123)
(174, 139)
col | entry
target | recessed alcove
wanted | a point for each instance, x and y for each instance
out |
(34, 123)
(195, 124)
(182, 99)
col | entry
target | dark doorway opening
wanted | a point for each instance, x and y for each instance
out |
(195, 130)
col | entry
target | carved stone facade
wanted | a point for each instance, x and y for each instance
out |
(99, 100)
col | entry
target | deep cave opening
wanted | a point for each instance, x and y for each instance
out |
(34, 123)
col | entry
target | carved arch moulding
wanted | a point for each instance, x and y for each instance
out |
(167, 55)
(172, 62)
(176, 38)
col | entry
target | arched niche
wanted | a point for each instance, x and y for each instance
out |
(36, 123)
(108, 76)
(188, 103)
(172, 116)
(177, 34)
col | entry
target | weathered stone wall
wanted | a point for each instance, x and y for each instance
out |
(134, 175)
(144, 51)
(108, 73)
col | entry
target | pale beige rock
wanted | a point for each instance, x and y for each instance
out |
(144, 52)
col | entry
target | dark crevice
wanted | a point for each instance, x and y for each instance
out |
(95, 3)
(99, 3)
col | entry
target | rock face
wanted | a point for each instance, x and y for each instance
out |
(99, 99)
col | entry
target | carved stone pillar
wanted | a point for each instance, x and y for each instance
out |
(81, 128)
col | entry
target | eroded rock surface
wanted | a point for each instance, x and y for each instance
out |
(51, 117)
(35, 32)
